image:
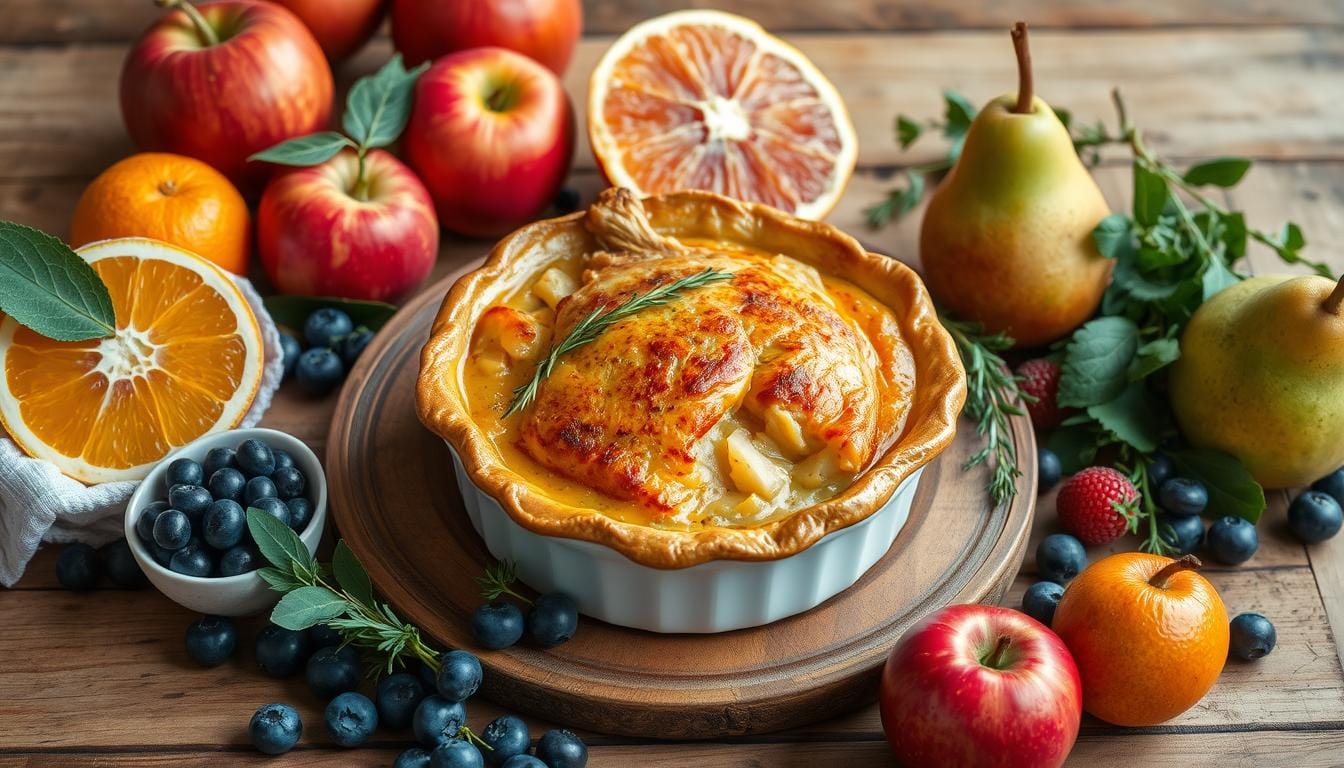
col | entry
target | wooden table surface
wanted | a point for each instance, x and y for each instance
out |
(103, 679)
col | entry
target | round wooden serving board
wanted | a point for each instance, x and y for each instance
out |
(396, 503)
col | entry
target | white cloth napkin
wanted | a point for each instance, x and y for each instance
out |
(38, 503)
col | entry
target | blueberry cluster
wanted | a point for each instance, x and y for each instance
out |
(333, 346)
(200, 528)
(80, 567)
(551, 621)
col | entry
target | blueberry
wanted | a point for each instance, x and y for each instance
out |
(1183, 496)
(1332, 484)
(119, 564)
(211, 640)
(459, 675)
(282, 458)
(353, 345)
(1060, 557)
(1232, 540)
(192, 500)
(1183, 533)
(553, 619)
(333, 670)
(281, 652)
(161, 556)
(351, 718)
(497, 625)
(1160, 467)
(255, 458)
(172, 530)
(456, 753)
(144, 525)
(184, 472)
(437, 719)
(259, 488)
(415, 757)
(523, 761)
(562, 749)
(273, 507)
(507, 736)
(192, 560)
(320, 371)
(241, 559)
(300, 512)
(77, 567)
(1252, 636)
(291, 349)
(1041, 600)
(227, 483)
(1315, 516)
(275, 728)
(324, 326)
(322, 635)
(1048, 470)
(288, 482)
(224, 524)
(217, 459)
(567, 200)
(398, 695)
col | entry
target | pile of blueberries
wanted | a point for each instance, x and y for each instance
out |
(200, 528)
(430, 705)
(80, 567)
(552, 621)
(334, 344)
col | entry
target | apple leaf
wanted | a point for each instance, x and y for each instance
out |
(379, 105)
(1096, 362)
(313, 149)
(1232, 489)
(49, 289)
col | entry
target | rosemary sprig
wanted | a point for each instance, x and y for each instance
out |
(599, 320)
(498, 580)
(993, 396)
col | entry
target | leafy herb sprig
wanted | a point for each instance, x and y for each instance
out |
(599, 320)
(498, 581)
(345, 603)
(376, 112)
(47, 288)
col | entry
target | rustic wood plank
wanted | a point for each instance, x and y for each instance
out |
(61, 21)
(62, 118)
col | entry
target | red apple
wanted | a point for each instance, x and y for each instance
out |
(340, 26)
(319, 234)
(546, 30)
(492, 135)
(979, 685)
(223, 81)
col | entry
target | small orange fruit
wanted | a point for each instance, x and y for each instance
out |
(176, 199)
(186, 359)
(708, 100)
(1149, 634)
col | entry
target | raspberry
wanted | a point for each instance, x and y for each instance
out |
(1087, 505)
(1040, 379)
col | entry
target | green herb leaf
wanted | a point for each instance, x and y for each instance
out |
(900, 200)
(958, 114)
(313, 149)
(1075, 446)
(308, 606)
(1290, 237)
(1096, 362)
(280, 581)
(1223, 172)
(1232, 490)
(293, 311)
(1150, 194)
(1217, 277)
(1153, 356)
(1065, 117)
(1112, 234)
(907, 131)
(47, 288)
(350, 574)
(281, 546)
(379, 105)
(1130, 418)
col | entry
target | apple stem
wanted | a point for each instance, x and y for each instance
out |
(1187, 563)
(994, 658)
(361, 190)
(1336, 300)
(1025, 86)
(203, 27)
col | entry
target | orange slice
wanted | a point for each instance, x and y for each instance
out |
(186, 360)
(709, 100)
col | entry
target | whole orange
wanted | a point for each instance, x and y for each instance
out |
(1149, 635)
(173, 198)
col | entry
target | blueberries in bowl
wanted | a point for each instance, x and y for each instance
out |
(217, 459)
(184, 472)
(255, 458)
(241, 559)
(192, 560)
(227, 483)
(172, 530)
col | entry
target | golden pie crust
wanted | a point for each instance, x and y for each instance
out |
(938, 393)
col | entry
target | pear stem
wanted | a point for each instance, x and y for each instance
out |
(1335, 303)
(1025, 86)
(1187, 563)
(203, 28)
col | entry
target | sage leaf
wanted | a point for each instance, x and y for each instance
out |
(350, 574)
(1096, 362)
(293, 311)
(47, 288)
(1130, 418)
(1111, 234)
(1150, 194)
(1232, 489)
(279, 580)
(308, 606)
(907, 131)
(1222, 172)
(1154, 356)
(379, 105)
(313, 149)
(281, 546)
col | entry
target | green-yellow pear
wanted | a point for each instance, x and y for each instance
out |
(1007, 237)
(1261, 376)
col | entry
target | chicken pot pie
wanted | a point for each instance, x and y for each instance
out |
(742, 418)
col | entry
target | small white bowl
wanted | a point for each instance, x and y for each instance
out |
(245, 593)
